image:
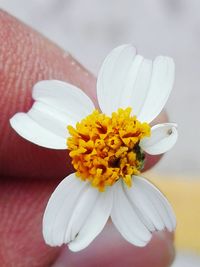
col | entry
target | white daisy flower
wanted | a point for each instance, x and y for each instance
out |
(107, 151)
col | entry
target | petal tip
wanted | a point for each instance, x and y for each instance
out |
(15, 121)
(74, 247)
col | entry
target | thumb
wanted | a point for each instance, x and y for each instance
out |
(26, 57)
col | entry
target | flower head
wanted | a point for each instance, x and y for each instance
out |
(107, 149)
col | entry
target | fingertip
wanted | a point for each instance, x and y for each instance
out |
(27, 57)
(110, 249)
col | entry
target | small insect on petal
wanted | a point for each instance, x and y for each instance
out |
(163, 138)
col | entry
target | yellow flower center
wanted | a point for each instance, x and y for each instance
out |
(104, 149)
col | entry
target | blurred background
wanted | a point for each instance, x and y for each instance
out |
(89, 29)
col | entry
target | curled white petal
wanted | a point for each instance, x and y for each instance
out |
(64, 97)
(126, 218)
(112, 76)
(49, 118)
(75, 214)
(161, 84)
(128, 80)
(27, 128)
(60, 208)
(163, 138)
(95, 221)
(152, 204)
(136, 89)
(57, 105)
(81, 211)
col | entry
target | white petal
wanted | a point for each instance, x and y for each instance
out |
(112, 77)
(32, 131)
(60, 208)
(152, 203)
(126, 219)
(57, 105)
(143, 206)
(161, 84)
(128, 80)
(137, 84)
(82, 210)
(95, 222)
(64, 97)
(163, 137)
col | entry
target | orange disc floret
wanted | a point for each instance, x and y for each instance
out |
(104, 149)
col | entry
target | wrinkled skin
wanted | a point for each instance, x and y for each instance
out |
(29, 173)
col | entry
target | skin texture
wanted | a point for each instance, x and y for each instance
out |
(29, 173)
